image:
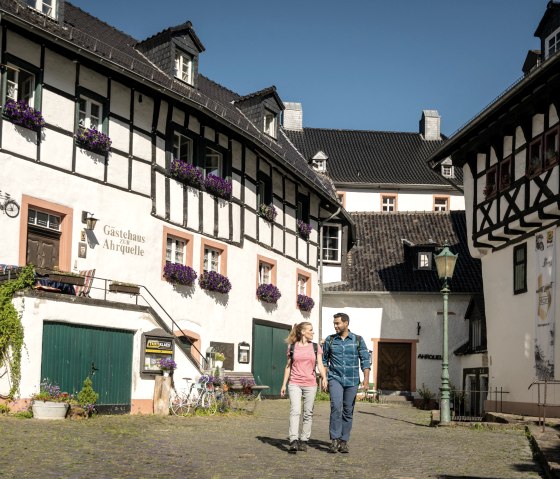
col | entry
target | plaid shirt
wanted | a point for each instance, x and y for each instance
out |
(342, 358)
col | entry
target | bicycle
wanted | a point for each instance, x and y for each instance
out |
(195, 396)
(9, 206)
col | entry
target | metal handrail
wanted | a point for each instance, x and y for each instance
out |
(543, 404)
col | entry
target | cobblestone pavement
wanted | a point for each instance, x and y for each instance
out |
(387, 442)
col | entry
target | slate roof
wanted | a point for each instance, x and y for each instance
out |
(116, 49)
(372, 157)
(377, 261)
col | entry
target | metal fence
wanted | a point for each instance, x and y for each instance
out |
(472, 405)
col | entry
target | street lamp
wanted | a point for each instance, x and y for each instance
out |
(445, 264)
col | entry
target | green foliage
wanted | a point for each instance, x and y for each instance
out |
(11, 329)
(87, 396)
(426, 395)
(322, 396)
(23, 414)
(4, 409)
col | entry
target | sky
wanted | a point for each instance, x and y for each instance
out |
(357, 64)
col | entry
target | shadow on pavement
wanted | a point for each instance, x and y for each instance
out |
(395, 419)
(283, 444)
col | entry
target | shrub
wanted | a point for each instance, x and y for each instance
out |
(87, 397)
(426, 395)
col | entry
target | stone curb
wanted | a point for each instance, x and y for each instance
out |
(546, 447)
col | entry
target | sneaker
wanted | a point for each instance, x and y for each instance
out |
(302, 446)
(293, 447)
(343, 447)
(334, 446)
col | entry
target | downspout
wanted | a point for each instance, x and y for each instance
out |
(321, 271)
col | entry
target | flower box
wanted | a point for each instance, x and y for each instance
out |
(116, 287)
(268, 293)
(305, 303)
(20, 113)
(268, 212)
(93, 140)
(187, 173)
(177, 273)
(217, 186)
(213, 281)
(304, 229)
(68, 278)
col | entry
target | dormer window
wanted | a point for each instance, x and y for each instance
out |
(319, 162)
(47, 7)
(270, 123)
(552, 43)
(424, 260)
(184, 67)
(447, 171)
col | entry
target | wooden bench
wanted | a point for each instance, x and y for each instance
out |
(237, 376)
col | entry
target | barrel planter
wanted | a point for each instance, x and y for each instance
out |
(49, 409)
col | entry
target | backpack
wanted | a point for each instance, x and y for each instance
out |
(292, 347)
(330, 339)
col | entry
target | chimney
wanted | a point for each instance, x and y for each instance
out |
(430, 124)
(293, 116)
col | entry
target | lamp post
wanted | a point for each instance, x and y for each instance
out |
(445, 264)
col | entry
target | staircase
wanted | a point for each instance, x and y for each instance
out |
(397, 398)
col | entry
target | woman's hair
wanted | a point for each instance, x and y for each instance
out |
(296, 332)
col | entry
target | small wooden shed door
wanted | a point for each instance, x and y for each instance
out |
(393, 371)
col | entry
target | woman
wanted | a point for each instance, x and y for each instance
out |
(303, 357)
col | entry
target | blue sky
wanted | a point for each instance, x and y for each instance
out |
(359, 64)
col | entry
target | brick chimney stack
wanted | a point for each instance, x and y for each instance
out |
(430, 125)
(293, 116)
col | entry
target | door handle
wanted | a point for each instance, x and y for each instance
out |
(92, 369)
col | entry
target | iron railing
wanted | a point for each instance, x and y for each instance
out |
(471, 404)
(542, 398)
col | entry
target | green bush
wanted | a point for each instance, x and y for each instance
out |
(4, 409)
(87, 397)
(322, 396)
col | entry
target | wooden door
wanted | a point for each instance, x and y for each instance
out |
(42, 249)
(393, 371)
(269, 356)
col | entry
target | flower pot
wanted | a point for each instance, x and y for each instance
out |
(219, 364)
(49, 410)
(165, 374)
(124, 288)
(68, 278)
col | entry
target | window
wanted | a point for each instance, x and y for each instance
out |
(175, 250)
(20, 84)
(48, 7)
(388, 203)
(213, 257)
(425, 260)
(476, 333)
(43, 220)
(341, 197)
(183, 67)
(552, 43)
(520, 269)
(303, 283)
(90, 113)
(331, 243)
(212, 162)
(264, 189)
(270, 123)
(534, 163)
(491, 183)
(441, 203)
(319, 161)
(182, 148)
(177, 247)
(505, 174)
(266, 270)
(302, 211)
(551, 148)
(447, 170)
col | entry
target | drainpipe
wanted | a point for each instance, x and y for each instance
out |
(321, 271)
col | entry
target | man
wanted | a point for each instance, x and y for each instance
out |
(343, 353)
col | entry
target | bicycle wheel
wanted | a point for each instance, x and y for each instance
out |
(11, 208)
(180, 405)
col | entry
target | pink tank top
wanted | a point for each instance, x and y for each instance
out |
(303, 364)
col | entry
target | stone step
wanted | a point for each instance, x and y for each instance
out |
(397, 398)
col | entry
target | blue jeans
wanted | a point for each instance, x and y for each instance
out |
(343, 399)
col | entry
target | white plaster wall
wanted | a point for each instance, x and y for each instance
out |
(120, 99)
(93, 81)
(407, 200)
(117, 173)
(331, 274)
(18, 139)
(57, 149)
(141, 177)
(58, 111)
(23, 48)
(120, 134)
(143, 111)
(90, 164)
(59, 72)
(141, 146)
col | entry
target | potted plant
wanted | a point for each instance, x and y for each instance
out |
(187, 173)
(227, 383)
(84, 403)
(177, 273)
(426, 396)
(268, 212)
(167, 365)
(118, 287)
(214, 281)
(66, 277)
(20, 113)
(305, 303)
(304, 229)
(217, 186)
(50, 402)
(219, 359)
(94, 140)
(247, 384)
(268, 293)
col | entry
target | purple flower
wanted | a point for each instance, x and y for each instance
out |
(217, 186)
(246, 382)
(268, 212)
(179, 274)
(213, 281)
(167, 364)
(304, 229)
(187, 173)
(22, 114)
(305, 303)
(93, 140)
(268, 293)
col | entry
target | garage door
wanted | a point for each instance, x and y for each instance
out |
(269, 357)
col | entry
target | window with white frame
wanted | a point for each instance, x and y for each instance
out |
(212, 162)
(90, 113)
(447, 171)
(20, 84)
(43, 219)
(270, 123)
(175, 250)
(182, 148)
(302, 284)
(441, 203)
(425, 260)
(211, 259)
(331, 243)
(47, 7)
(388, 203)
(552, 43)
(265, 273)
(184, 67)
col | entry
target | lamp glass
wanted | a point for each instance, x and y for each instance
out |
(445, 263)
(90, 223)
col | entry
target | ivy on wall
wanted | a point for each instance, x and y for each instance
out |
(11, 329)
